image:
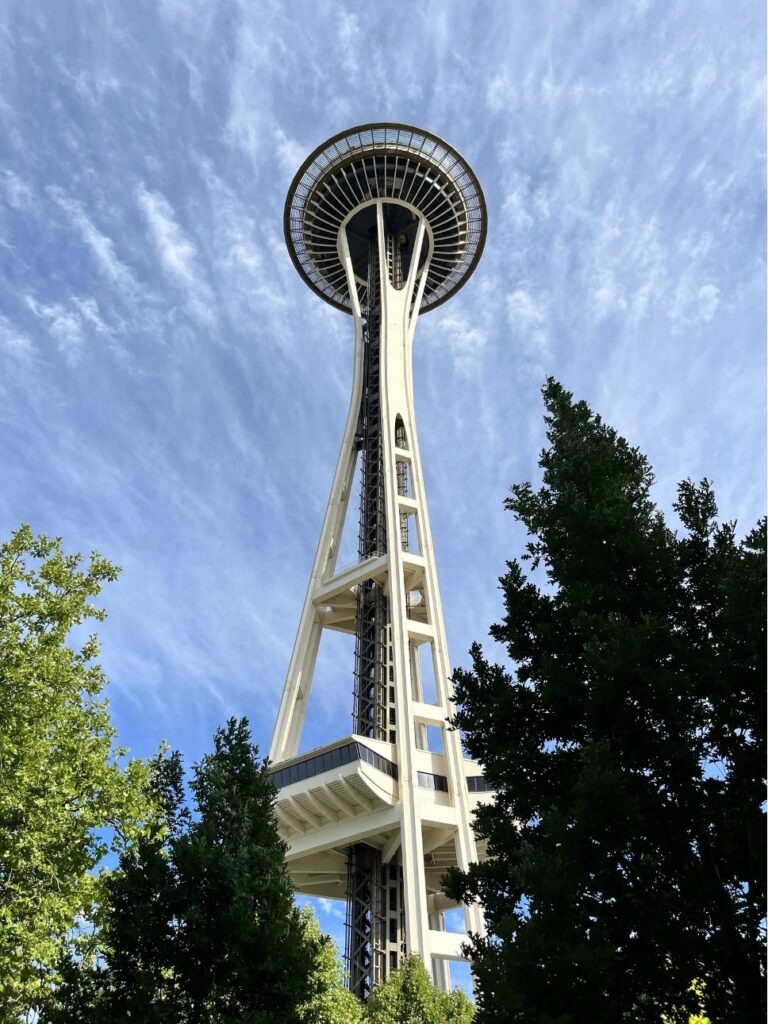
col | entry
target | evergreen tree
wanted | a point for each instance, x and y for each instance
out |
(127, 965)
(63, 789)
(626, 847)
(199, 924)
(409, 997)
(242, 954)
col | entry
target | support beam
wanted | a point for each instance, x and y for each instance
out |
(390, 848)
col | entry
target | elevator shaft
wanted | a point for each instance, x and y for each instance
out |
(375, 928)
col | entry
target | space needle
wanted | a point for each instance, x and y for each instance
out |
(385, 222)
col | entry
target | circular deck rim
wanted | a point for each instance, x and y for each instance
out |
(318, 152)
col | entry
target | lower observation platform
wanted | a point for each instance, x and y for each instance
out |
(348, 792)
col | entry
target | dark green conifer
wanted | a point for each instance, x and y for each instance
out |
(626, 842)
(199, 924)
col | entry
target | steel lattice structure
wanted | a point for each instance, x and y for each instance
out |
(384, 221)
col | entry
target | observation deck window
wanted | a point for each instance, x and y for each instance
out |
(311, 765)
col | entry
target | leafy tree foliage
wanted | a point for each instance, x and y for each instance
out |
(409, 997)
(61, 780)
(625, 879)
(329, 1001)
(199, 924)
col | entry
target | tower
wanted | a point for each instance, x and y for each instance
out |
(383, 221)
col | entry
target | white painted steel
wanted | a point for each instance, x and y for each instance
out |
(321, 816)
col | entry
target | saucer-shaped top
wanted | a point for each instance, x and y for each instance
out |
(393, 162)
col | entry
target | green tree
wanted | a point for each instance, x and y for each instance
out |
(329, 1002)
(409, 997)
(198, 925)
(625, 877)
(62, 785)
(243, 956)
(126, 966)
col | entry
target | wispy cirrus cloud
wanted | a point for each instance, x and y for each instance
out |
(101, 246)
(177, 253)
(528, 317)
(175, 395)
(14, 341)
(16, 192)
(64, 324)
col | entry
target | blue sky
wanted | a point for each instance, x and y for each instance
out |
(173, 395)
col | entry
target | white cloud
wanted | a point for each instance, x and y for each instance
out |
(65, 325)
(89, 313)
(101, 246)
(692, 305)
(709, 300)
(249, 122)
(178, 254)
(516, 206)
(626, 264)
(501, 93)
(70, 325)
(334, 908)
(529, 319)
(704, 76)
(350, 40)
(463, 336)
(13, 340)
(17, 193)
(290, 153)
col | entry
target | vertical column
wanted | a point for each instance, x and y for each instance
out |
(396, 303)
(454, 758)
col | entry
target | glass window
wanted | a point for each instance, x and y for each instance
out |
(429, 781)
(478, 784)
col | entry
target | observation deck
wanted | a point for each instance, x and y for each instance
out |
(418, 173)
(348, 791)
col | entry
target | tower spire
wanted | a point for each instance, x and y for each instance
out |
(383, 221)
